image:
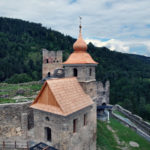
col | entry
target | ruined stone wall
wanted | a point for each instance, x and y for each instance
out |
(139, 122)
(14, 119)
(103, 93)
(51, 61)
(63, 137)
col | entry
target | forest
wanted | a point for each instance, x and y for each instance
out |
(21, 44)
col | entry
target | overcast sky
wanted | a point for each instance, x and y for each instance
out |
(121, 25)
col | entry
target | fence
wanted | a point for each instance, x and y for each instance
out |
(14, 145)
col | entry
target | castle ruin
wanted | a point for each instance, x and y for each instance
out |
(64, 113)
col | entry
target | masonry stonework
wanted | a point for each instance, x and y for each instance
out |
(63, 137)
(14, 119)
(102, 93)
(51, 61)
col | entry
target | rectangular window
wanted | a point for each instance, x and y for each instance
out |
(48, 134)
(74, 125)
(85, 120)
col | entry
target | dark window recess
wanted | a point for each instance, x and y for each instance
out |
(48, 134)
(75, 72)
(85, 120)
(30, 120)
(74, 125)
(90, 72)
(47, 61)
(49, 74)
(47, 118)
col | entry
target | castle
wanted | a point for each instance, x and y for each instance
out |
(64, 114)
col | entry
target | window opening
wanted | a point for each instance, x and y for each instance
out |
(74, 125)
(75, 72)
(48, 134)
(49, 74)
(90, 72)
(85, 120)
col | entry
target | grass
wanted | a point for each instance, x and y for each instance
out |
(8, 92)
(106, 140)
(119, 113)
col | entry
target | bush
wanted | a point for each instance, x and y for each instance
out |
(19, 78)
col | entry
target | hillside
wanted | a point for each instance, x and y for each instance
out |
(21, 60)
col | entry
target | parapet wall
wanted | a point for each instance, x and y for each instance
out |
(15, 119)
(103, 93)
(139, 122)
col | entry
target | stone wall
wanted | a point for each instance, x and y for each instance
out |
(15, 119)
(63, 137)
(103, 93)
(51, 61)
(85, 72)
(139, 122)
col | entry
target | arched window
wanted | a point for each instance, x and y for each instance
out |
(90, 71)
(75, 72)
(48, 74)
(48, 134)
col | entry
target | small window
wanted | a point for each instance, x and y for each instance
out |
(49, 74)
(47, 61)
(48, 134)
(47, 118)
(75, 72)
(85, 120)
(74, 125)
(90, 71)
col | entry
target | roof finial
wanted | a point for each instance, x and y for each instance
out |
(80, 24)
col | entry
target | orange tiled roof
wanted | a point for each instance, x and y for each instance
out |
(80, 58)
(62, 97)
(80, 55)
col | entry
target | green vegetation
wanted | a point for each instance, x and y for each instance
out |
(119, 113)
(12, 93)
(21, 46)
(105, 138)
(116, 136)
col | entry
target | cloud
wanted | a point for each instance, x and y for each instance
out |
(112, 44)
(125, 20)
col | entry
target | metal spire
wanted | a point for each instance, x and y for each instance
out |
(80, 24)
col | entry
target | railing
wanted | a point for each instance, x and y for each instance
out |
(7, 144)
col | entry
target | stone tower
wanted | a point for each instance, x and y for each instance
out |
(51, 61)
(81, 65)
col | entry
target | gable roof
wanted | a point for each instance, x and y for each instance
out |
(62, 97)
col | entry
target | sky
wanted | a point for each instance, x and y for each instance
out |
(120, 25)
